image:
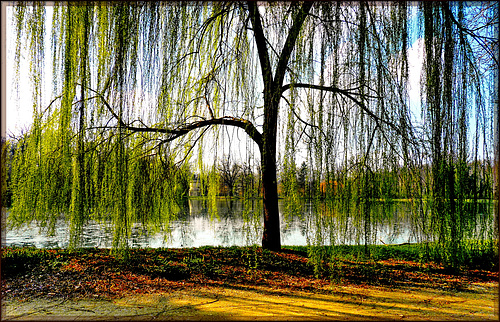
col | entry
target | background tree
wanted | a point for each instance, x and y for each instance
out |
(302, 179)
(229, 173)
(248, 181)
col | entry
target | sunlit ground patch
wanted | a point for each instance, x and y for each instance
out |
(233, 302)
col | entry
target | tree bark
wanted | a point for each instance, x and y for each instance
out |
(271, 238)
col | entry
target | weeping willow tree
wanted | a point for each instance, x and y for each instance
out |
(138, 86)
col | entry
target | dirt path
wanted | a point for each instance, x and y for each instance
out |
(478, 302)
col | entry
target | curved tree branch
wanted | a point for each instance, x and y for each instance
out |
(183, 129)
(349, 95)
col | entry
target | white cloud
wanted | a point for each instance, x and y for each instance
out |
(415, 65)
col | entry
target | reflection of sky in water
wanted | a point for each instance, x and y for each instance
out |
(227, 229)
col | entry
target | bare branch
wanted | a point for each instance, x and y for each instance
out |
(349, 95)
(182, 130)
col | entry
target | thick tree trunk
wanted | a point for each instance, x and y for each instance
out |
(272, 94)
(271, 239)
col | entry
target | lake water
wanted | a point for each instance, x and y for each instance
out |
(232, 226)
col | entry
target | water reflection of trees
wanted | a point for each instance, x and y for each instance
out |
(239, 222)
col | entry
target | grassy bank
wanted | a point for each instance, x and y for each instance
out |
(474, 255)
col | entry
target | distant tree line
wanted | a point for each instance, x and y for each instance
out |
(229, 178)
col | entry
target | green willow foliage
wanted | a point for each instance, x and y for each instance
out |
(447, 72)
(138, 86)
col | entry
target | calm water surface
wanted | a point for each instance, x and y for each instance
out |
(232, 226)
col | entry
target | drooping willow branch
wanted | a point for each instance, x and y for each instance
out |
(184, 129)
(475, 36)
(301, 120)
(290, 42)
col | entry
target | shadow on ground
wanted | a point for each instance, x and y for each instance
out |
(236, 302)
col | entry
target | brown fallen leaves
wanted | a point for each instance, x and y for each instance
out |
(97, 273)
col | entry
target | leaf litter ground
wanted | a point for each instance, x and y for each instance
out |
(237, 283)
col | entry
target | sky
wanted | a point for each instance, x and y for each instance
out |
(19, 102)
